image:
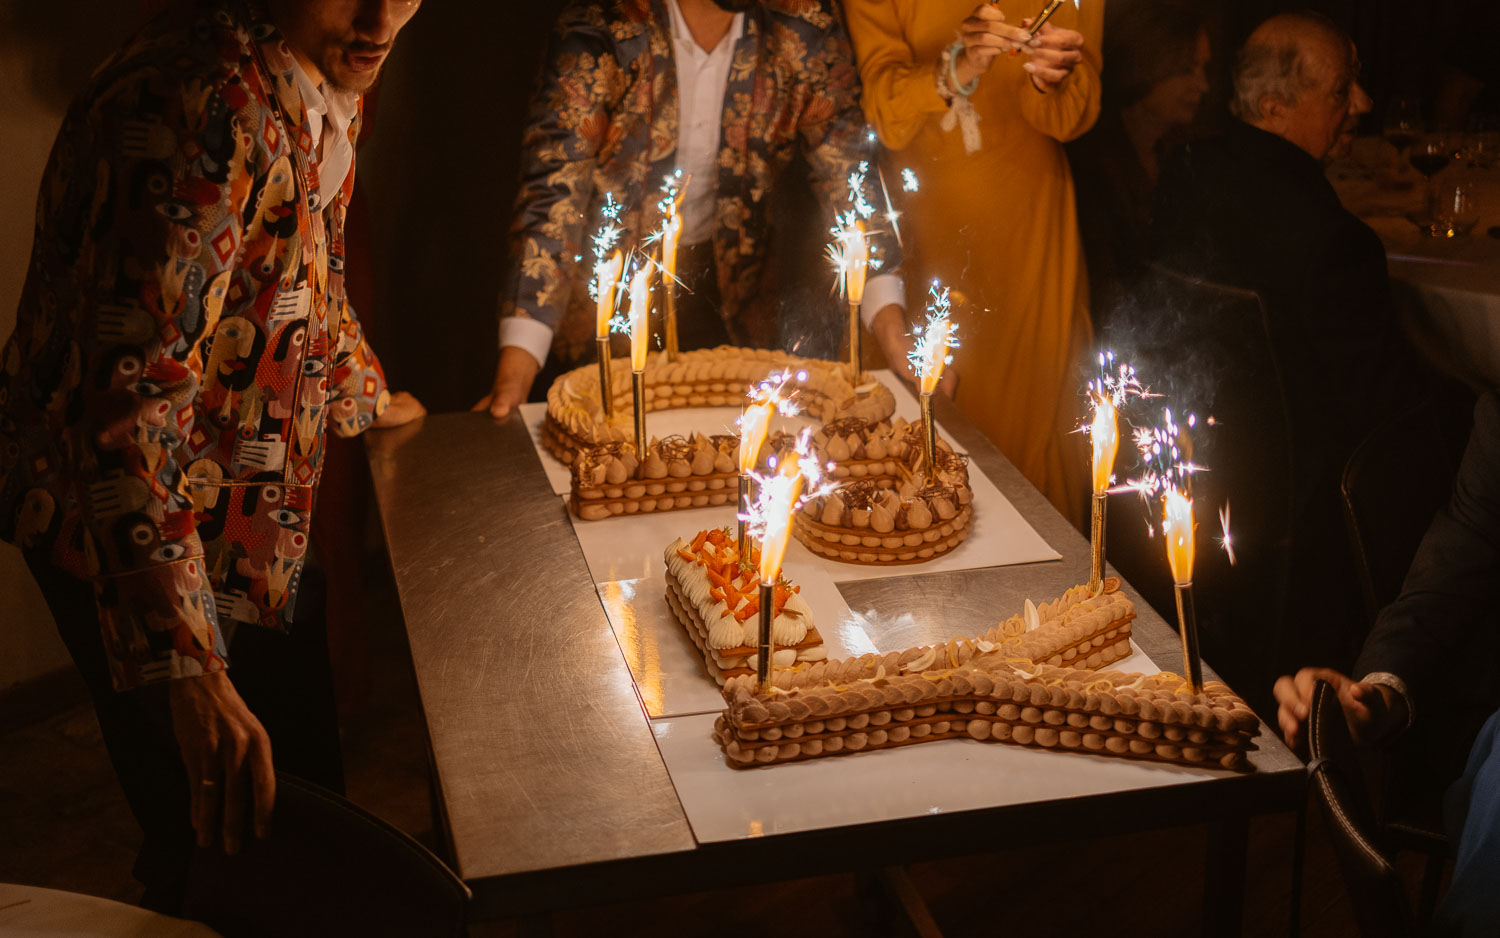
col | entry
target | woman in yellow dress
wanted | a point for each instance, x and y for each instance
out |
(994, 219)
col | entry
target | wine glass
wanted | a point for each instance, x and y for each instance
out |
(1452, 207)
(1430, 153)
(1403, 121)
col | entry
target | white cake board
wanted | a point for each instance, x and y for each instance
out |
(667, 667)
(940, 777)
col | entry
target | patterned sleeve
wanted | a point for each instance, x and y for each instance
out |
(359, 394)
(837, 141)
(568, 125)
(151, 211)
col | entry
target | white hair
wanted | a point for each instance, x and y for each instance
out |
(1273, 62)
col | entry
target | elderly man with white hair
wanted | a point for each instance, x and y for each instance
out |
(1252, 209)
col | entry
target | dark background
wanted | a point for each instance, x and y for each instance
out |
(437, 164)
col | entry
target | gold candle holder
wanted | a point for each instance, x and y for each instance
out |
(638, 388)
(1096, 543)
(855, 365)
(606, 389)
(766, 649)
(929, 437)
(743, 535)
(1187, 625)
(669, 337)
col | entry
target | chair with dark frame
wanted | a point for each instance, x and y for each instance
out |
(1375, 887)
(327, 868)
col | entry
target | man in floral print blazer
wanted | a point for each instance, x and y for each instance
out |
(606, 119)
(183, 342)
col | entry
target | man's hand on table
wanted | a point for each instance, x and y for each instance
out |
(513, 378)
(1371, 710)
(228, 759)
(889, 328)
(403, 409)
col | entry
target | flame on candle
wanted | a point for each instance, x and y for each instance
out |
(1177, 526)
(856, 262)
(640, 316)
(792, 483)
(935, 340)
(766, 398)
(850, 252)
(673, 189)
(1104, 432)
(606, 279)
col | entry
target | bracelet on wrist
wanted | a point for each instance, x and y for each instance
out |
(954, 51)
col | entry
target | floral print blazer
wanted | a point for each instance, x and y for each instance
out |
(182, 341)
(604, 120)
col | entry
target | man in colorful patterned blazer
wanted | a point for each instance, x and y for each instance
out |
(182, 344)
(728, 92)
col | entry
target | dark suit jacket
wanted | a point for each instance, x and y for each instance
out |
(1248, 209)
(1442, 635)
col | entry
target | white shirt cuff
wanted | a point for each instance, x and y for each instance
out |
(1395, 683)
(528, 334)
(881, 291)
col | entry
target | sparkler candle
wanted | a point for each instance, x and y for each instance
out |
(928, 358)
(766, 399)
(640, 327)
(607, 274)
(857, 258)
(1177, 526)
(673, 188)
(1104, 433)
(797, 479)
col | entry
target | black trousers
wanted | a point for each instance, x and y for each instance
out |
(284, 677)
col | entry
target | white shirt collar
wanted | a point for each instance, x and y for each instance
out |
(682, 37)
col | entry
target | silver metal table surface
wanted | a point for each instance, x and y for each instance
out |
(548, 774)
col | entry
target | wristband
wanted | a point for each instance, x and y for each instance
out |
(953, 53)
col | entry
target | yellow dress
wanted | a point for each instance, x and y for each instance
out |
(996, 225)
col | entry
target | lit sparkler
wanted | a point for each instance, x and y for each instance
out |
(604, 288)
(1168, 475)
(783, 492)
(851, 256)
(931, 354)
(908, 180)
(673, 188)
(1107, 394)
(639, 328)
(766, 399)
(1177, 531)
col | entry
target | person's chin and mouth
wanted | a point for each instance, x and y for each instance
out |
(357, 69)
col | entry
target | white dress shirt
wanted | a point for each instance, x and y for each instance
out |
(701, 79)
(328, 107)
(702, 76)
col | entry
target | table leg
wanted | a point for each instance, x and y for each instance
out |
(1224, 877)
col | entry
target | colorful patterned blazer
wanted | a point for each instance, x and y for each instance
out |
(604, 120)
(182, 341)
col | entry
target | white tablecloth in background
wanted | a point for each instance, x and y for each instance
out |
(1456, 281)
(34, 912)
